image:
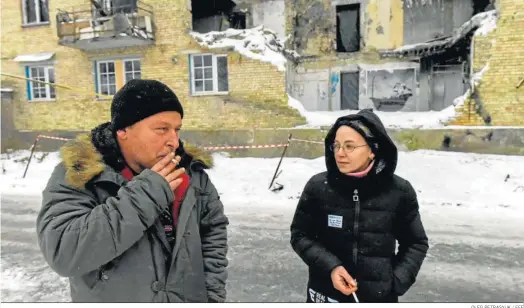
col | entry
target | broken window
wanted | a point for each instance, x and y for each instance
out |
(480, 6)
(237, 20)
(209, 74)
(35, 11)
(348, 28)
(217, 16)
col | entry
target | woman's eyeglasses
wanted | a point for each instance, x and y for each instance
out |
(348, 148)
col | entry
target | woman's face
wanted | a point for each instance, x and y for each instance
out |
(352, 153)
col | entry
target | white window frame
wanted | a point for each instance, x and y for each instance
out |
(214, 58)
(132, 71)
(46, 86)
(99, 77)
(37, 10)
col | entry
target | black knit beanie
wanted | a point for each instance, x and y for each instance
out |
(139, 99)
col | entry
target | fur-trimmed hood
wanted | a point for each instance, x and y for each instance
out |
(83, 161)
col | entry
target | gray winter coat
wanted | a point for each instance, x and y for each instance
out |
(104, 233)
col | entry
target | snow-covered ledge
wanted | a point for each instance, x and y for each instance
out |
(257, 43)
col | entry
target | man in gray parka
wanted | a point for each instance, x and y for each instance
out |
(129, 221)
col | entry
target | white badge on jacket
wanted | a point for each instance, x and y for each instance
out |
(335, 221)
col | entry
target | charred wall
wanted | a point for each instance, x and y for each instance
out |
(446, 15)
(314, 24)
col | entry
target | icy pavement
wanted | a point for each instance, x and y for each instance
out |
(471, 207)
(475, 259)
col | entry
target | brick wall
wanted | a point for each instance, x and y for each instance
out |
(257, 96)
(502, 49)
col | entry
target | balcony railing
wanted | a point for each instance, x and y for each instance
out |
(88, 28)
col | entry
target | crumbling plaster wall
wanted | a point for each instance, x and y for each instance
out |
(312, 24)
(425, 20)
(319, 89)
(269, 13)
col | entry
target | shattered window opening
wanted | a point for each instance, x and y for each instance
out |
(219, 16)
(42, 91)
(209, 74)
(348, 28)
(237, 20)
(35, 11)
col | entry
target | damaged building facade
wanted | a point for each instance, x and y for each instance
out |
(389, 55)
(93, 47)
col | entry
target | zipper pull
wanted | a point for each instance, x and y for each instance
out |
(355, 196)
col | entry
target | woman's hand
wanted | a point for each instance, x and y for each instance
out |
(342, 281)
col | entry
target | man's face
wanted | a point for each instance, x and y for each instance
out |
(146, 142)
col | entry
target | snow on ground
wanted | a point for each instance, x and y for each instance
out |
(256, 43)
(399, 119)
(492, 182)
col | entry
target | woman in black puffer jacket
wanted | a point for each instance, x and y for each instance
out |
(349, 218)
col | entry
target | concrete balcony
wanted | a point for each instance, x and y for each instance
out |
(88, 28)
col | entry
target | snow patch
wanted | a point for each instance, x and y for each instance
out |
(35, 57)
(460, 180)
(257, 43)
(293, 103)
(488, 24)
(411, 3)
(460, 101)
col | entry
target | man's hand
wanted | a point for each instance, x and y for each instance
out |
(342, 281)
(166, 168)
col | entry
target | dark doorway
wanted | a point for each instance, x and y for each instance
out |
(349, 91)
(348, 28)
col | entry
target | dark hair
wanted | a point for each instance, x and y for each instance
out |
(364, 131)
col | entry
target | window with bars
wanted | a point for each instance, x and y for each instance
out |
(35, 11)
(111, 75)
(40, 91)
(209, 74)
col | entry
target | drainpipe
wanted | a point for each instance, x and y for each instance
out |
(330, 105)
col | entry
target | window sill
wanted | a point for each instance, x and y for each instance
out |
(36, 24)
(104, 98)
(210, 94)
(43, 100)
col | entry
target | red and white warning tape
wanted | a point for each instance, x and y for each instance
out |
(205, 148)
(237, 147)
(50, 137)
(307, 141)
